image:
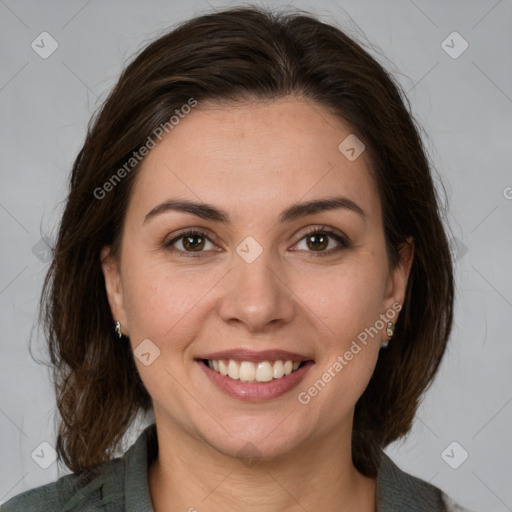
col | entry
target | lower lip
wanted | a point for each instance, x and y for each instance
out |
(256, 391)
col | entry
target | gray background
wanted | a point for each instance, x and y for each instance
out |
(465, 106)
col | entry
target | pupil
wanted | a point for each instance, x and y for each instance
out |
(188, 243)
(322, 244)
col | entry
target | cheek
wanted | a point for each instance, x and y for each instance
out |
(347, 300)
(163, 303)
(350, 306)
(153, 301)
(157, 309)
(331, 393)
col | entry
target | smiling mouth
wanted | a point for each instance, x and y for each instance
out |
(249, 371)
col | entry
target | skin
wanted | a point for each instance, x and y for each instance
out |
(238, 158)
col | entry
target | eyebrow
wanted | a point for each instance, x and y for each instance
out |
(296, 211)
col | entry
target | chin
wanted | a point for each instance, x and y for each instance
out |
(266, 439)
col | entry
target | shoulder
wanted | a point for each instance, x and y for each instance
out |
(400, 491)
(453, 506)
(115, 486)
(90, 489)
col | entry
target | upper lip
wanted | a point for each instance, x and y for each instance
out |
(252, 355)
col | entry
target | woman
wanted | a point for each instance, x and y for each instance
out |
(252, 250)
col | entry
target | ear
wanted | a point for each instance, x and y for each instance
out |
(113, 287)
(397, 282)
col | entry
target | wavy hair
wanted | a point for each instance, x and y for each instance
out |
(241, 54)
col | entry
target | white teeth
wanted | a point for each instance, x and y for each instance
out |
(247, 371)
(264, 372)
(278, 369)
(223, 369)
(233, 370)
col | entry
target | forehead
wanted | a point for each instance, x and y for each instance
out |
(253, 155)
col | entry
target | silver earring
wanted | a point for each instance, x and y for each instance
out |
(390, 329)
(117, 329)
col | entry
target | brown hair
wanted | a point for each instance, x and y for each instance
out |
(241, 54)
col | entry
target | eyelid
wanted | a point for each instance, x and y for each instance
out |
(343, 241)
(179, 235)
(322, 229)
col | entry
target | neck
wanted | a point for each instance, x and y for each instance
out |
(189, 474)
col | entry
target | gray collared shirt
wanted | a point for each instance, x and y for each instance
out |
(121, 485)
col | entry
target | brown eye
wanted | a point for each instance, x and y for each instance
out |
(190, 241)
(319, 239)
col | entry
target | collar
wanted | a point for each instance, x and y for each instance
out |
(137, 461)
(396, 490)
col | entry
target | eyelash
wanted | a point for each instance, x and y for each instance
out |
(344, 243)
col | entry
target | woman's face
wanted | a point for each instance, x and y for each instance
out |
(253, 286)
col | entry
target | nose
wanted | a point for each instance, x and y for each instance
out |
(257, 295)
